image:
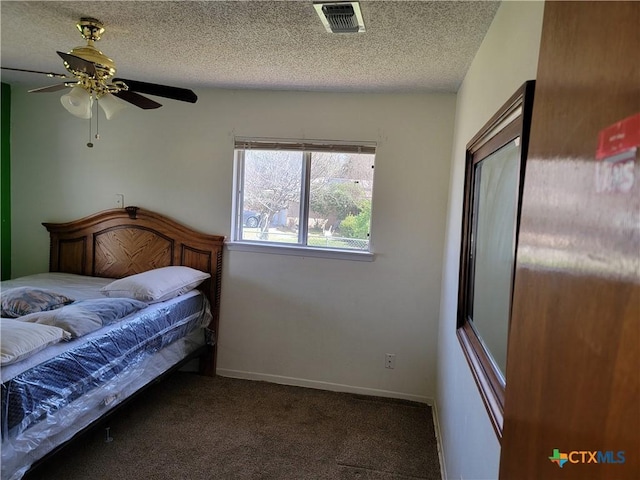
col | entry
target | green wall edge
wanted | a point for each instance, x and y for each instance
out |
(5, 184)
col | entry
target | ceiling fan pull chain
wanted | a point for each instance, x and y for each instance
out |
(89, 144)
(97, 120)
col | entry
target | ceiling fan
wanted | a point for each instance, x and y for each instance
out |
(91, 76)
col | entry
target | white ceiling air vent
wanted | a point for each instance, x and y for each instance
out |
(340, 17)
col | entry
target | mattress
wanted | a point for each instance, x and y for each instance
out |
(48, 397)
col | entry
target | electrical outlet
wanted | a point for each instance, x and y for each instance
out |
(390, 360)
(119, 200)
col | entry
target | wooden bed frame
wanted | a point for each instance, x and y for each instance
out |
(125, 241)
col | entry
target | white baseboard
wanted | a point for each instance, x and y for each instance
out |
(334, 387)
(436, 426)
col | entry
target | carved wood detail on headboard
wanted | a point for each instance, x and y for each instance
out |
(121, 242)
(122, 251)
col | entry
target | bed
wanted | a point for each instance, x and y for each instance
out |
(130, 296)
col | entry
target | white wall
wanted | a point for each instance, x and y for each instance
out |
(309, 321)
(507, 57)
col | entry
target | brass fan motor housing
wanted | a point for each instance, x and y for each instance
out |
(91, 30)
(105, 67)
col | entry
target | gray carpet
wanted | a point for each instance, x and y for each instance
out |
(194, 427)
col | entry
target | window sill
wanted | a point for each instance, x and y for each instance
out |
(300, 251)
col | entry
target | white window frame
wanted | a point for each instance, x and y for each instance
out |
(307, 146)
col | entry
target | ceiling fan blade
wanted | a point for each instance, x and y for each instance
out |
(51, 88)
(78, 64)
(175, 93)
(137, 100)
(48, 74)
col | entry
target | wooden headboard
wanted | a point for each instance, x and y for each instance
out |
(121, 242)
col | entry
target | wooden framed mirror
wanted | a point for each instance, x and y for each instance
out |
(494, 178)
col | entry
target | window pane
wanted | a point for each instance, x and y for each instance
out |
(271, 196)
(340, 200)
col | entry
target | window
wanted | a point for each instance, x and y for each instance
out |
(494, 177)
(295, 195)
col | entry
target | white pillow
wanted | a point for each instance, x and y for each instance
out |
(156, 285)
(21, 339)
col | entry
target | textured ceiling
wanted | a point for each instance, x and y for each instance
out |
(408, 46)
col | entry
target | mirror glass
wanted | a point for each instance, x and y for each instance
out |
(493, 246)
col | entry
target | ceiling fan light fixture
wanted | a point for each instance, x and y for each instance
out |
(90, 76)
(110, 105)
(78, 102)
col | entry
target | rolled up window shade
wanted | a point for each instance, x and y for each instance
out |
(304, 146)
